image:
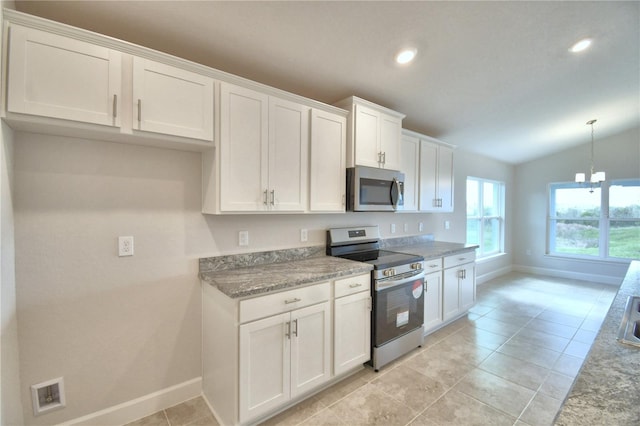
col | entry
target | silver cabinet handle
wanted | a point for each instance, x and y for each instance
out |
(384, 158)
(273, 197)
(287, 333)
(294, 300)
(354, 285)
(426, 287)
(295, 329)
(139, 110)
(380, 157)
(115, 106)
(434, 266)
(264, 201)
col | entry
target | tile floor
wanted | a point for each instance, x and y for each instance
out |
(510, 361)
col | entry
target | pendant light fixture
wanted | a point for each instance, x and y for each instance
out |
(596, 178)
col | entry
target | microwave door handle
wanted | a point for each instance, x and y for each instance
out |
(395, 192)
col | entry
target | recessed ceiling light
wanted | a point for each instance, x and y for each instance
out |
(581, 45)
(406, 55)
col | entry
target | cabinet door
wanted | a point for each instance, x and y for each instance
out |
(243, 149)
(351, 331)
(450, 294)
(467, 287)
(310, 347)
(410, 166)
(390, 132)
(288, 155)
(432, 300)
(445, 178)
(327, 174)
(428, 176)
(171, 100)
(59, 77)
(264, 365)
(367, 134)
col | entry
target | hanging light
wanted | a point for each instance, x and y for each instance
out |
(596, 178)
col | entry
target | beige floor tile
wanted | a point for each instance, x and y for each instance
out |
(524, 373)
(483, 338)
(531, 353)
(459, 349)
(456, 409)
(552, 328)
(498, 327)
(560, 318)
(156, 419)
(556, 385)
(542, 339)
(345, 387)
(496, 392)
(370, 406)
(440, 368)
(568, 365)
(188, 412)
(541, 411)
(323, 418)
(413, 389)
(578, 349)
(297, 413)
(585, 336)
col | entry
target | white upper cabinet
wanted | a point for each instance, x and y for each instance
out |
(60, 77)
(172, 101)
(428, 167)
(436, 177)
(373, 136)
(264, 148)
(327, 158)
(410, 166)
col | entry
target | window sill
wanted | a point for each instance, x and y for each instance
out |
(588, 259)
(490, 258)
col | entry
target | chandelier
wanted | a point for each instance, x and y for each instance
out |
(596, 178)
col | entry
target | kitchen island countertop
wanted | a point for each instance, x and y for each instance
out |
(606, 390)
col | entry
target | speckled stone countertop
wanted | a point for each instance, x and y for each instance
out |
(607, 390)
(251, 274)
(426, 247)
(258, 273)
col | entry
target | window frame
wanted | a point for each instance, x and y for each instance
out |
(499, 187)
(604, 220)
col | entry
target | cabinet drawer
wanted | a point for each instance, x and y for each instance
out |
(283, 301)
(351, 285)
(459, 259)
(432, 265)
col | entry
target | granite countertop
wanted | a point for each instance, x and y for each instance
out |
(607, 390)
(432, 249)
(251, 274)
(263, 278)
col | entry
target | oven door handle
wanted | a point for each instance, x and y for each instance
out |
(386, 284)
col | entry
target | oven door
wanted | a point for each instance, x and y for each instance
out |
(398, 307)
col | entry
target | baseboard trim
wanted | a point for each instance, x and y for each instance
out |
(602, 279)
(141, 407)
(481, 279)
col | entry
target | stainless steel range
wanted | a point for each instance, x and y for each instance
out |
(397, 286)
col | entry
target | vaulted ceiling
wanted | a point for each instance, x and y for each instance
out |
(494, 78)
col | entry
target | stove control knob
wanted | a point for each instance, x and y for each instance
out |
(416, 265)
(388, 272)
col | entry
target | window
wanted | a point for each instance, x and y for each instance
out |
(595, 222)
(485, 215)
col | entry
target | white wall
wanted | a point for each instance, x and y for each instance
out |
(618, 156)
(121, 328)
(470, 164)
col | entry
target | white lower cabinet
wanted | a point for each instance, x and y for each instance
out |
(264, 353)
(459, 285)
(352, 323)
(283, 356)
(432, 301)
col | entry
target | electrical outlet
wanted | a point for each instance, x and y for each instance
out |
(447, 224)
(303, 235)
(125, 246)
(421, 227)
(393, 228)
(406, 227)
(243, 238)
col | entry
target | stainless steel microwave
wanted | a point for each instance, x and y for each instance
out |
(374, 190)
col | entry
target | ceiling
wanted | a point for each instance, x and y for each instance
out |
(494, 78)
